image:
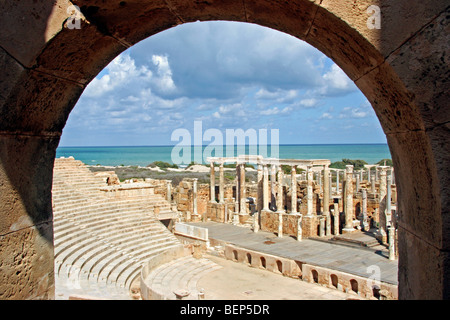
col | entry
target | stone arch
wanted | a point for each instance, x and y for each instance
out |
(249, 258)
(334, 280)
(235, 255)
(401, 69)
(354, 285)
(262, 262)
(279, 266)
(314, 276)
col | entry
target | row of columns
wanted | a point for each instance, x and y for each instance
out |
(359, 176)
(385, 191)
(272, 196)
(275, 196)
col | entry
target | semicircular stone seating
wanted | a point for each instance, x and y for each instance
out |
(180, 274)
(101, 242)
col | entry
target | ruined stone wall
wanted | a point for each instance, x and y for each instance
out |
(183, 196)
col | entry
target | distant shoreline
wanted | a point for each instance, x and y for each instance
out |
(206, 145)
(144, 155)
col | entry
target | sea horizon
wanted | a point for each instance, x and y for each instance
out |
(144, 155)
(205, 145)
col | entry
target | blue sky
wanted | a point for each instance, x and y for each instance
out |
(228, 75)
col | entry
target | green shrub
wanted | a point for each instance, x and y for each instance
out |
(162, 165)
(357, 164)
(287, 169)
(385, 162)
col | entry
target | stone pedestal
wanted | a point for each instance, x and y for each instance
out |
(216, 212)
(309, 226)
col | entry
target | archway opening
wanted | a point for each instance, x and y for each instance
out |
(43, 90)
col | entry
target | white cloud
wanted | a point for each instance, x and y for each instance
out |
(164, 81)
(122, 71)
(336, 82)
(353, 113)
(275, 111)
(326, 115)
(311, 102)
(227, 74)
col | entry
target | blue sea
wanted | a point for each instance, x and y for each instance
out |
(144, 155)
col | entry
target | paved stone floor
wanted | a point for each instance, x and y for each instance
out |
(237, 281)
(353, 260)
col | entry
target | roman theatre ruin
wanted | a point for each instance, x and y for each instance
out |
(400, 66)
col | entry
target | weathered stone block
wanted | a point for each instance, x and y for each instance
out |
(26, 263)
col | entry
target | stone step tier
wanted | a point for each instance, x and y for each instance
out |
(180, 277)
(102, 242)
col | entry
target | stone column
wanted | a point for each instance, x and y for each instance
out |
(294, 189)
(273, 171)
(169, 190)
(212, 182)
(348, 208)
(326, 198)
(382, 209)
(357, 183)
(388, 200)
(322, 226)
(242, 192)
(299, 228)
(372, 184)
(391, 232)
(221, 184)
(330, 184)
(365, 223)
(256, 221)
(237, 187)
(194, 196)
(265, 188)
(368, 175)
(319, 178)
(236, 200)
(337, 182)
(336, 218)
(280, 224)
(326, 190)
(309, 191)
(259, 201)
(226, 217)
(280, 207)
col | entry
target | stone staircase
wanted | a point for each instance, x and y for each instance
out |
(102, 242)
